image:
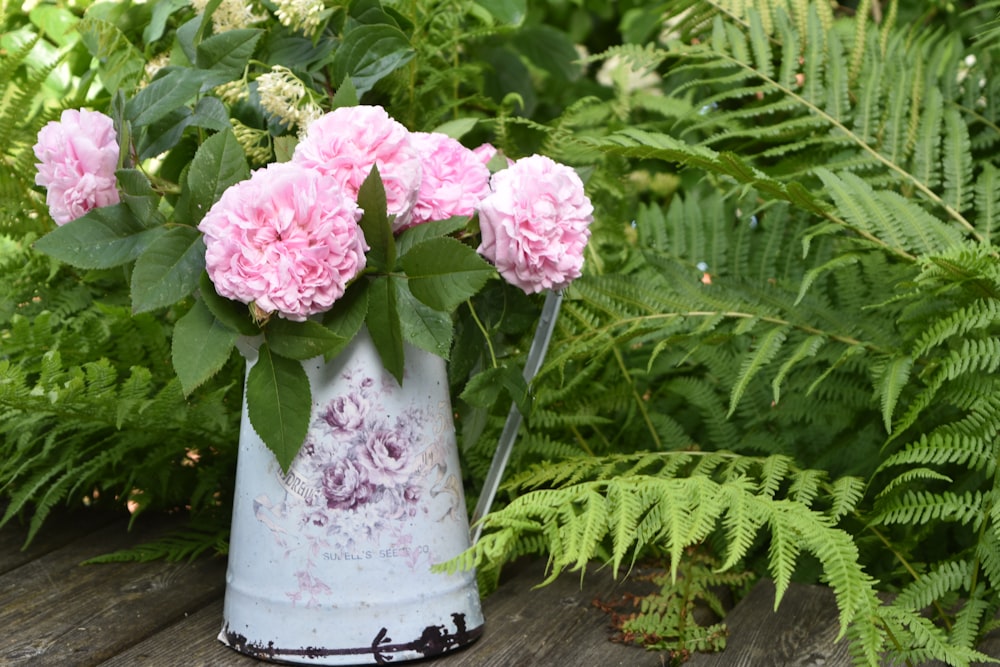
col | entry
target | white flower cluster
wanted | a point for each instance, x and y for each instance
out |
(301, 15)
(230, 14)
(285, 97)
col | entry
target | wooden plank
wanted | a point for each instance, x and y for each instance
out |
(191, 642)
(56, 532)
(56, 612)
(525, 627)
(800, 632)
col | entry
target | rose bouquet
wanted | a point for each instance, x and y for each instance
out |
(365, 224)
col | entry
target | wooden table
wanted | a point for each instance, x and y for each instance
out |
(53, 611)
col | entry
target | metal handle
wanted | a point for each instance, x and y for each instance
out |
(536, 354)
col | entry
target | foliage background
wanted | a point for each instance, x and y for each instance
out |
(782, 357)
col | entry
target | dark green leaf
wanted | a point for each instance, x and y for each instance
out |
(550, 49)
(485, 388)
(279, 404)
(422, 326)
(443, 272)
(164, 95)
(301, 340)
(103, 238)
(368, 53)
(233, 314)
(384, 326)
(348, 314)
(218, 164)
(139, 196)
(168, 270)
(375, 223)
(164, 134)
(428, 230)
(201, 346)
(511, 12)
(211, 114)
(229, 52)
(371, 12)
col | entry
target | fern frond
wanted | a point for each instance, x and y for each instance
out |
(922, 507)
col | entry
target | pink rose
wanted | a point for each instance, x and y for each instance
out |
(535, 224)
(285, 240)
(455, 178)
(485, 152)
(78, 155)
(345, 143)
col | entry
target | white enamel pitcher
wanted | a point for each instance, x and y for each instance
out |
(330, 563)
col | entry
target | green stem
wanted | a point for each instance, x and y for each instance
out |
(486, 335)
(909, 570)
(640, 403)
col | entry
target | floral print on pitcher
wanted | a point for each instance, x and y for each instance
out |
(363, 474)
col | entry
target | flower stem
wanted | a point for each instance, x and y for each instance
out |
(486, 334)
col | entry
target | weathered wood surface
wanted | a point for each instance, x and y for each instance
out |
(53, 611)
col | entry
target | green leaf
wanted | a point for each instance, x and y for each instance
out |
(368, 53)
(457, 128)
(428, 230)
(218, 164)
(384, 326)
(201, 346)
(444, 272)
(164, 134)
(348, 313)
(346, 95)
(168, 270)
(163, 96)
(550, 49)
(511, 12)
(485, 388)
(139, 196)
(233, 314)
(229, 52)
(301, 340)
(211, 114)
(422, 326)
(103, 238)
(375, 223)
(279, 404)
(120, 64)
(162, 10)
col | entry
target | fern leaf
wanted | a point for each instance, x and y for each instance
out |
(988, 201)
(922, 507)
(805, 350)
(767, 348)
(891, 380)
(957, 158)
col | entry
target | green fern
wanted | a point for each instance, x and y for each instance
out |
(22, 208)
(677, 501)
